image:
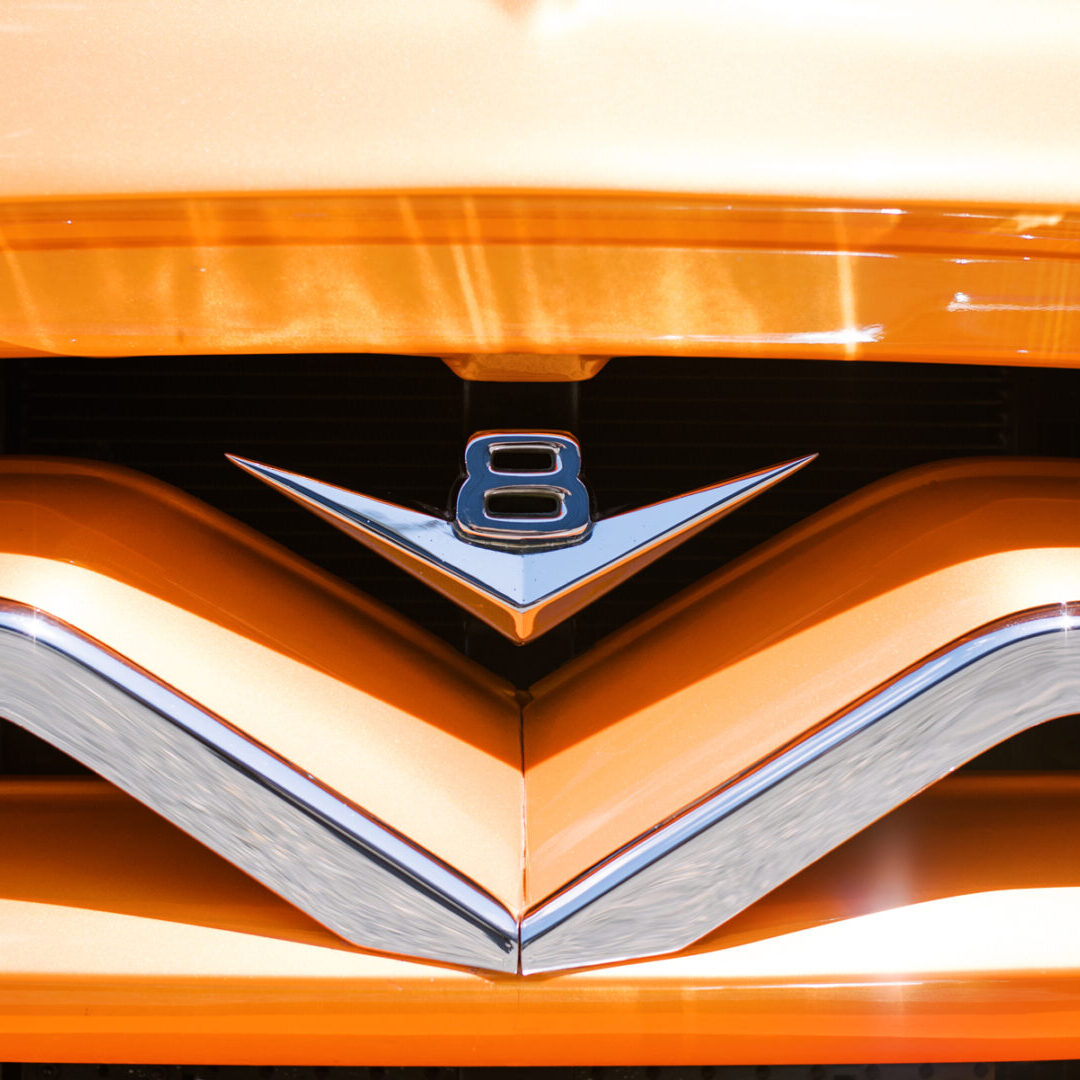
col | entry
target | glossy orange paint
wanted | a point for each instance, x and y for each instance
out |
(951, 100)
(711, 684)
(524, 367)
(945, 932)
(469, 275)
(148, 948)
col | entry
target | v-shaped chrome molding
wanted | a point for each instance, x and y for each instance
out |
(521, 590)
(753, 834)
(306, 842)
(376, 889)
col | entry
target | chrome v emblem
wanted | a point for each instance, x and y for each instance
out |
(522, 552)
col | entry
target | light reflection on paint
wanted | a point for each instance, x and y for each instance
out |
(1007, 929)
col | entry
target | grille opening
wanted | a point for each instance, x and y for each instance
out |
(520, 503)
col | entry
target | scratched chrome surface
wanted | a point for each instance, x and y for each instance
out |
(701, 869)
(274, 822)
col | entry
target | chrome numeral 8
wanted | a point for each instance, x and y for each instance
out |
(523, 489)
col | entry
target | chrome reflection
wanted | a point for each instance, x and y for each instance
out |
(318, 851)
(520, 588)
(551, 473)
(688, 876)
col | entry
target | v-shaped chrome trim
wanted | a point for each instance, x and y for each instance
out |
(698, 870)
(665, 890)
(521, 593)
(307, 843)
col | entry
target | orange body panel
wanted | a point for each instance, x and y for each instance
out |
(549, 274)
(947, 100)
(484, 181)
(945, 932)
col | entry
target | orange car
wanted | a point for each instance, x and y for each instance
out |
(513, 511)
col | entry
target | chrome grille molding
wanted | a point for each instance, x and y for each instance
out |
(303, 841)
(377, 890)
(697, 871)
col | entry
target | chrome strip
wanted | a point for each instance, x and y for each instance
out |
(687, 877)
(305, 842)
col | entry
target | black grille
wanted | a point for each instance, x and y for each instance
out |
(650, 428)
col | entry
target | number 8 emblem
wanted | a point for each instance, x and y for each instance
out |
(523, 489)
